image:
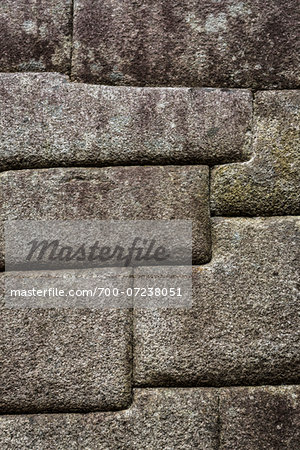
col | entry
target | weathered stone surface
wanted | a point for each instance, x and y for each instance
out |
(269, 183)
(63, 359)
(35, 35)
(243, 327)
(255, 418)
(47, 121)
(113, 193)
(209, 43)
(174, 418)
(158, 418)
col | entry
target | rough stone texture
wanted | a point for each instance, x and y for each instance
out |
(228, 43)
(163, 287)
(158, 419)
(47, 121)
(269, 183)
(114, 193)
(174, 418)
(243, 327)
(63, 359)
(260, 418)
(35, 35)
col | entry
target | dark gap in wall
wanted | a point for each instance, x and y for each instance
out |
(128, 164)
(71, 26)
(218, 423)
(252, 216)
(294, 382)
(85, 412)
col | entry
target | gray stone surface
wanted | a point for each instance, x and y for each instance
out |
(158, 419)
(163, 287)
(35, 35)
(63, 359)
(229, 43)
(260, 418)
(113, 193)
(269, 183)
(174, 418)
(243, 326)
(47, 121)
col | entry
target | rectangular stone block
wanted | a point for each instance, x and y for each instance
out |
(157, 419)
(243, 325)
(112, 193)
(64, 359)
(47, 121)
(269, 183)
(35, 35)
(255, 418)
(226, 43)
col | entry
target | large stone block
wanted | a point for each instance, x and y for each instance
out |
(63, 359)
(158, 418)
(226, 43)
(47, 121)
(113, 193)
(269, 183)
(255, 418)
(244, 321)
(35, 35)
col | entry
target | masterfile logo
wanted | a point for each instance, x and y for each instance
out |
(40, 245)
(139, 250)
(98, 264)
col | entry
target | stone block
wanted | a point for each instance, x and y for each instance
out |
(63, 359)
(265, 417)
(214, 43)
(158, 418)
(242, 327)
(269, 183)
(112, 193)
(35, 35)
(48, 122)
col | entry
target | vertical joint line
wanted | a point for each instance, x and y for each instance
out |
(209, 207)
(71, 28)
(252, 125)
(218, 441)
(132, 312)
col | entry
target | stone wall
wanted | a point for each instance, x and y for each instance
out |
(139, 110)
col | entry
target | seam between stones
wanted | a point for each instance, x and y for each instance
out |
(131, 356)
(210, 215)
(103, 166)
(218, 426)
(71, 25)
(252, 150)
(217, 390)
(250, 156)
(272, 88)
(156, 86)
(248, 216)
(132, 344)
(133, 339)
(216, 386)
